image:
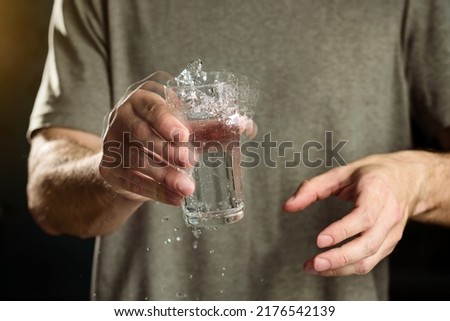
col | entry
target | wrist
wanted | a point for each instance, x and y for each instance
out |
(430, 173)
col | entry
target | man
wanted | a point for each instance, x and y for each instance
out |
(361, 70)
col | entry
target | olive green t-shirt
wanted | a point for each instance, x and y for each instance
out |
(361, 71)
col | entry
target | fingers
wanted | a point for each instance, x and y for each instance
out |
(247, 127)
(151, 190)
(143, 143)
(172, 192)
(319, 266)
(149, 165)
(376, 223)
(350, 253)
(131, 129)
(380, 232)
(369, 205)
(318, 188)
(152, 108)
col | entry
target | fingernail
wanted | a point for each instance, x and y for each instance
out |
(324, 240)
(179, 135)
(185, 186)
(321, 264)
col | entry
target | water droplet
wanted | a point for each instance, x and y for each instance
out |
(190, 276)
(178, 239)
(211, 251)
(195, 245)
(262, 280)
(223, 274)
(164, 219)
(181, 295)
(168, 241)
(215, 228)
(94, 294)
(197, 232)
(220, 292)
(224, 268)
(175, 229)
(146, 298)
(148, 249)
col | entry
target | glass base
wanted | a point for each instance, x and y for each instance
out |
(213, 219)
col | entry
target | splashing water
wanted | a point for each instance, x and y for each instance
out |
(192, 75)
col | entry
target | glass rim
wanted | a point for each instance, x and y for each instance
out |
(169, 84)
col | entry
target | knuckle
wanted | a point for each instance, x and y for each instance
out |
(140, 93)
(154, 111)
(162, 176)
(397, 237)
(368, 219)
(363, 267)
(305, 185)
(343, 259)
(340, 170)
(331, 273)
(396, 214)
(151, 86)
(343, 230)
(139, 129)
(137, 96)
(390, 250)
(372, 246)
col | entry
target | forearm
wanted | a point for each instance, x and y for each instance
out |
(433, 205)
(67, 195)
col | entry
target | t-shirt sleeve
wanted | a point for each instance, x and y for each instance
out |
(74, 92)
(427, 44)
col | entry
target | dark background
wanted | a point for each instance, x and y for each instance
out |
(34, 266)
